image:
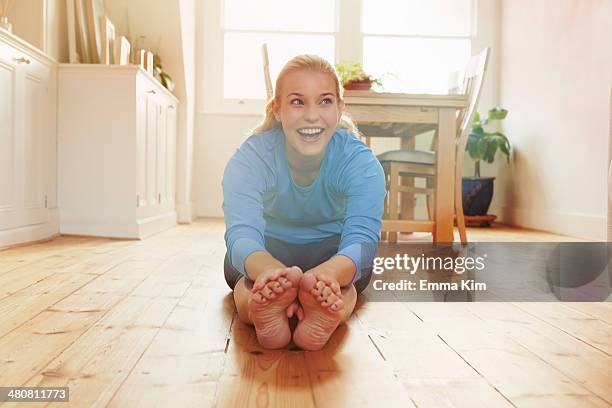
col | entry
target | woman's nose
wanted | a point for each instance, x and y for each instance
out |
(311, 114)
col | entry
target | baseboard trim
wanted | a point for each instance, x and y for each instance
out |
(31, 234)
(586, 226)
(124, 229)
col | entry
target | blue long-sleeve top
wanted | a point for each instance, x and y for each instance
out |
(261, 199)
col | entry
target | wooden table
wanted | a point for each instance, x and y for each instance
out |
(440, 110)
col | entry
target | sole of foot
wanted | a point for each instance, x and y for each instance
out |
(268, 307)
(322, 304)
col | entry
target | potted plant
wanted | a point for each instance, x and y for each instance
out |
(477, 191)
(353, 77)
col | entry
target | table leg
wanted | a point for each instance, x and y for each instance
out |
(407, 199)
(445, 181)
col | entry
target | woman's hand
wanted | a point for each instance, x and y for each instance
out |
(273, 274)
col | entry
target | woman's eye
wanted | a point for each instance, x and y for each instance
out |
(326, 101)
(296, 102)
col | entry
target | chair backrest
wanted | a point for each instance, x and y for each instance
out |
(472, 87)
(266, 70)
(455, 83)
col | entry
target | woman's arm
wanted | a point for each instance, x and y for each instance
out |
(260, 262)
(246, 178)
(362, 182)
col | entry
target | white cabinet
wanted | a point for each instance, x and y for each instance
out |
(116, 149)
(28, 210)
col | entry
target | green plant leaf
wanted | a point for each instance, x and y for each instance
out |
(472, 147)
(490, 150)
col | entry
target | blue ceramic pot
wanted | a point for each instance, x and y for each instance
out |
(476, 195)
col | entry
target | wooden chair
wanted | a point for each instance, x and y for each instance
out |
(266, 70)
(421, 164)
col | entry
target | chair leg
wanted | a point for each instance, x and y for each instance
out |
(407, 201)
(430, 200)
(459, 214)
(393, 196)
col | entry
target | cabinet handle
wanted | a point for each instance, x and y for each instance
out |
(170, 106)
(152, 91)
(21, 60)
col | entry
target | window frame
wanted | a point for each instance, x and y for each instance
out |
(211, 99)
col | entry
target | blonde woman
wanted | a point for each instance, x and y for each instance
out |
(303, 200)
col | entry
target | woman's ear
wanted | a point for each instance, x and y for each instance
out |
(275, 110)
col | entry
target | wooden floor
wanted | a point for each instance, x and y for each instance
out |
(152, 323)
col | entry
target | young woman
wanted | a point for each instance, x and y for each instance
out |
(303, 200)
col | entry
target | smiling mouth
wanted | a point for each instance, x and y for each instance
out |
(310, 134)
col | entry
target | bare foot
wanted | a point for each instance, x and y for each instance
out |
(322, 302)
(273, 293)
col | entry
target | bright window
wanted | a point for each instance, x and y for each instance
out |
(288, 27)
(413, 44)
(417, 46)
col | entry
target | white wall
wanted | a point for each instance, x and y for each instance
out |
(556, 67)
(42, 23)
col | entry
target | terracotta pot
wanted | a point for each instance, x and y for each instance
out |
(358, 86)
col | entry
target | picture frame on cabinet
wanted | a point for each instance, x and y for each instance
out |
(149, 66)
(141, 58)
(108, 41)
(81, 32)
(72, 32)
(122, 51)
(94, 10)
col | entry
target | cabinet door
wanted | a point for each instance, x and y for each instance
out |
(161, 153)
(141, 149)
(171, 154)
(151, 148)
(9, 206)
(35, 105)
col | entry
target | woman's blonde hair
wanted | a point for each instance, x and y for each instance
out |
(312, 63)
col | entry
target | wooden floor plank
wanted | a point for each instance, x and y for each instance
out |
(252, 375)
(459, 393)
(598, 310)
(583, 327)
(350, 371)
(23, 306)
(183, 364)
(96, 364)
(583, 364)
(517, 373)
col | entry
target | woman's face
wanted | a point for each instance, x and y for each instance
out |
(309, 112)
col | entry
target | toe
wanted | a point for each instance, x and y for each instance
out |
(276, 287)
(258, 297)
(318, 289)
(300, 313)
(267, 293)
(294, 275)
(307, 282)
(284, 282)
(292, 309)
(337, 305)
(329, 300)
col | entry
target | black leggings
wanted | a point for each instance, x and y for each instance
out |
(306, 256)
